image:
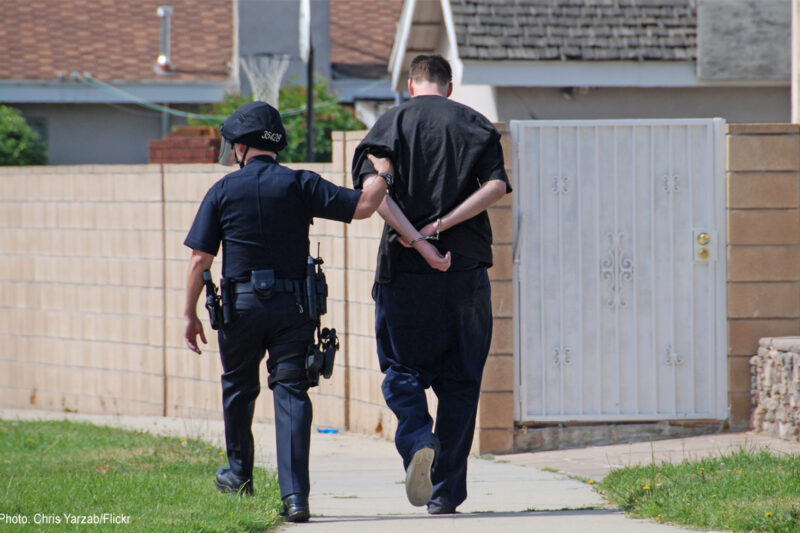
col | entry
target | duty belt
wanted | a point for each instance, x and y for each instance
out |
(281, 285)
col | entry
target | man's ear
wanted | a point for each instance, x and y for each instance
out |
(449, 89)
(410, 87)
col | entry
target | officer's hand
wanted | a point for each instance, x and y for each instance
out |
(194, 328)
(381, 164)
(432, 255)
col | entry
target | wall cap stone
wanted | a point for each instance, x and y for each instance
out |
(763, 129)
(782, 344)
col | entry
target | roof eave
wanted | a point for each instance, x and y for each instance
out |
(400, 49)
(174, 92)
(450, 27)
(577, 73)
(401, 43)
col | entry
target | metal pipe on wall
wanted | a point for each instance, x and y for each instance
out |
(795, 61)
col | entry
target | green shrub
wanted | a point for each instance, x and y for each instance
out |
(329, 116)
(19, 144)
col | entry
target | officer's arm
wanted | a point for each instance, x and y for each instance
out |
(479, 201)
(371, 197)
(198, 262)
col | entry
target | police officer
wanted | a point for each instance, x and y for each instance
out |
(261, 215)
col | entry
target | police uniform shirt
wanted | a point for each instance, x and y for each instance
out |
(261, 215)
(442, 152)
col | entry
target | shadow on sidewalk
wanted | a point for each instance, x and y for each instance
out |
(466, 516)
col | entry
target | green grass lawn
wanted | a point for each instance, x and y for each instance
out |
(741, 491)
(52, 472)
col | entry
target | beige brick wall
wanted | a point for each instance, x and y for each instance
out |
(763, 247)
(82, 274)
(495, 426)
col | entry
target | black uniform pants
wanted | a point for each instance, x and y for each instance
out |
(260, 325)
(433, 330)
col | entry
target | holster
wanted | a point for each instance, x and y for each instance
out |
(321, 356)
(227, 300)
(316, 289)
(212, 301)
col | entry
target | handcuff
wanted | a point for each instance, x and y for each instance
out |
(434, 237)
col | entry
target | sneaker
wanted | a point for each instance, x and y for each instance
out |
(229, 483)
(418, 477)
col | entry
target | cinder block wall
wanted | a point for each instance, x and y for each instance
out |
(364, 408)
(82, 278)
(495, 427)
(763, 248)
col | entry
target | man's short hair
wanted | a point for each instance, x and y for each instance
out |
(432, 68)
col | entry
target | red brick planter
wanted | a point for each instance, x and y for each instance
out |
(186, 145)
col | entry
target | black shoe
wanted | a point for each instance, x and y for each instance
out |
(438, 508)
(295, 508)
(229, 483)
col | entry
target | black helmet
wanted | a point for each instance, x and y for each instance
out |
(255, 124)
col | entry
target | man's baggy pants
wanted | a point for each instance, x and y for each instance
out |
(433, 330)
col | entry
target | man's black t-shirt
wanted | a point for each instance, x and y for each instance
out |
(261, 215)
(442, 152)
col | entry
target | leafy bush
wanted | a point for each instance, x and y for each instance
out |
(19, 144)
(329, 116)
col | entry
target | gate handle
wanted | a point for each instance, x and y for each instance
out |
(517, 237)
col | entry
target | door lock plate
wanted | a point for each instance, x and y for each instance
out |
(705, 246)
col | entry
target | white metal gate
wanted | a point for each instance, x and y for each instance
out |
(619, 252)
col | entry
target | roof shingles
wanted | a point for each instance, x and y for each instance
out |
(594, 30)
(114, 41)
(362, 34)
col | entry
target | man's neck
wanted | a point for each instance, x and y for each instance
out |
(429, 89)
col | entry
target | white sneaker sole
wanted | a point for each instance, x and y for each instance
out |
(418, 477)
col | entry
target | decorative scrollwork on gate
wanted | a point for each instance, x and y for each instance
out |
(671, 184)
(562, 356)
(672, 358)
(560, 185)
(616, 268)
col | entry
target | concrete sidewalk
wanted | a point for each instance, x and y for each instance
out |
(357, 481)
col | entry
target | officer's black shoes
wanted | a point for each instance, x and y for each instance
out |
(229, 483)
(295, 508)
(418, 477)
(434, 508)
